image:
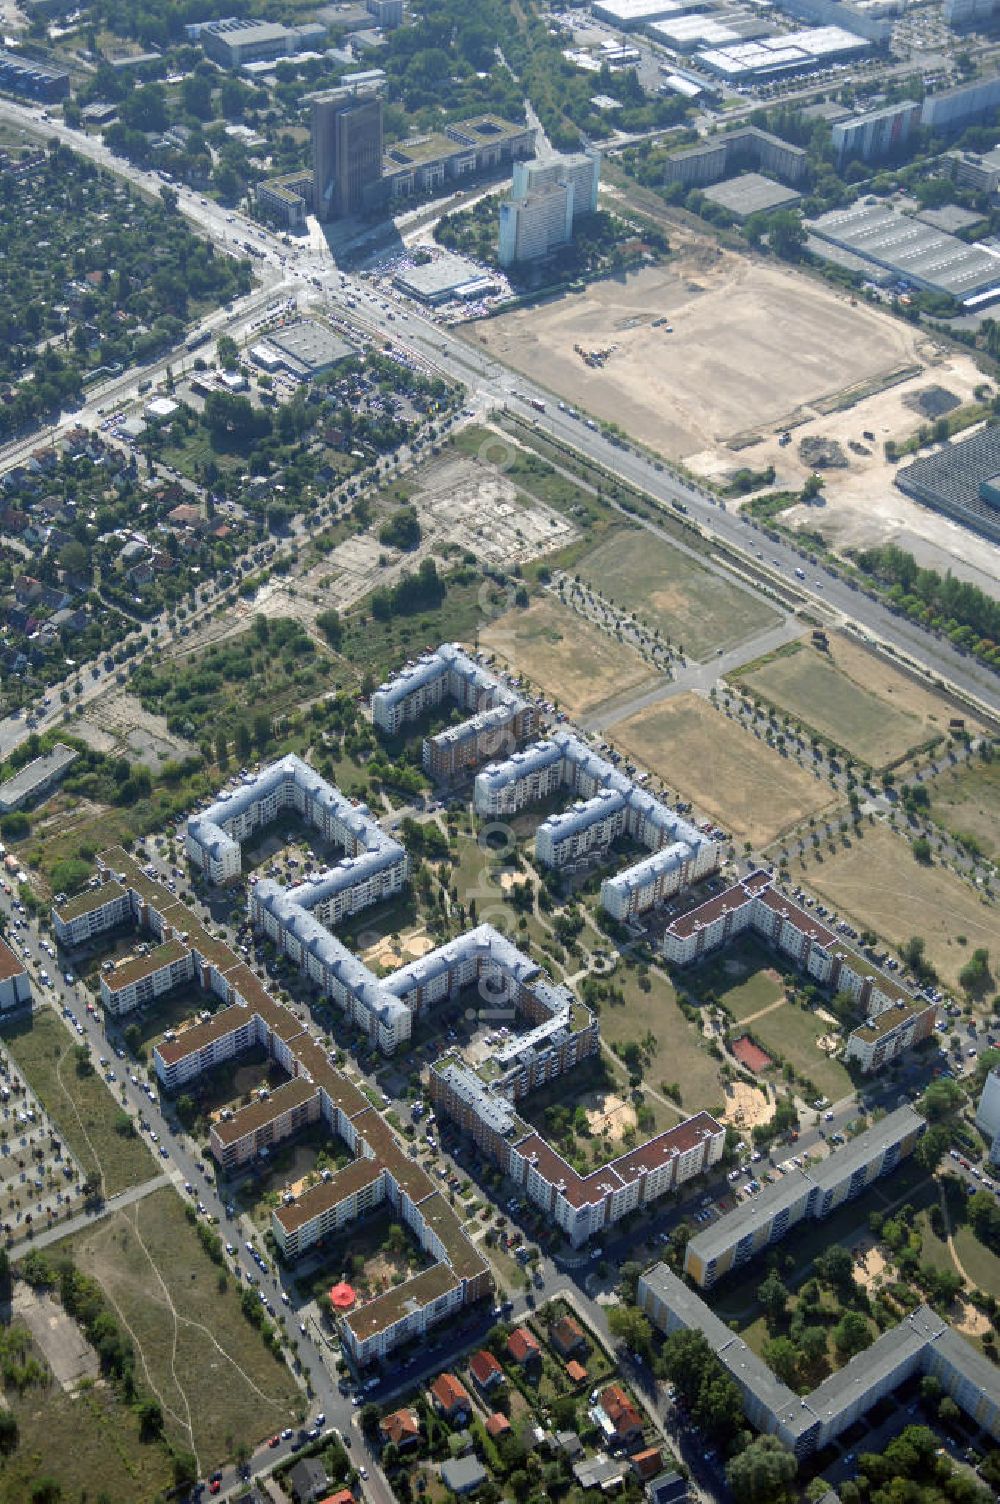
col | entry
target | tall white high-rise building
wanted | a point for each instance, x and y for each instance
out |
(546, 199)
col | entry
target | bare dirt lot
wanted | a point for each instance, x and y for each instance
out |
(574, 662)
(878, 882)
(861, 506)
(64, 1347)
(751, 344)
(750, 791)
(852, 696)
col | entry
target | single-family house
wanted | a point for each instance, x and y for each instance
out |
(524, 1349)
(402, 1428)
(486, 1372)
(451, 1398)
(568, 1338)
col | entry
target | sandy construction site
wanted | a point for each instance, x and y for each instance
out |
(705, 348)
(861, 506)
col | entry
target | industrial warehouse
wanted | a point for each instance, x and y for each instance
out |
(961, 480)
(910, 253)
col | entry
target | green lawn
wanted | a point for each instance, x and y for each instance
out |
(792, 1033)
(217, 1382)
(743, 979)
(681, 1052)
(673, 592)
(810, 686)
(82, 1108)
(737, 1298)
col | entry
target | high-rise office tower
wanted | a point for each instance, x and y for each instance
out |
(347, 151)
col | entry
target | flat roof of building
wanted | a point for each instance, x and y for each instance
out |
(446, 274)
(750, 193)
(35, 775)
(136, 967)
(267, 1108)
(916, 252)
(89, 900)
(309, 344)
(190, 1040)
(329, 1193)
(426, 148)
(10, 965)
(462, 1255)
(758, 1211)
(385, 1310)
(952, 478)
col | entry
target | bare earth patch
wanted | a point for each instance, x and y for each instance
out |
(750, 790)
(690, 389)
(64, 1347)
(608, 1115)
(746, 1105)
(575, 663)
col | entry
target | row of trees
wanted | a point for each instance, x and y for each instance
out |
(966, 614)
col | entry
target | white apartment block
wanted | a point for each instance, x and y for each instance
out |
(213, 839)
(988, 1113)
(102, 906)
(500, 717)
(532, 227)
(315, 1089)
(608, 805)
(580, 171)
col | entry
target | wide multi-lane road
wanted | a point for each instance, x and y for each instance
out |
(308, 268)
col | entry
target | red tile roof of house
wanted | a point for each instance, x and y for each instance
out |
(400, 1426)
(620, 1410)
(498, 1425)
(648, 1462)
(575, 1371)
(522, 1345)
(449, 1392)
(567, 1333)
(484, 1367)
(342, 1496)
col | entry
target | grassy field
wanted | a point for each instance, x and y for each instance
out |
(574, 663)
(792, 1032)
(477, 878)
(99, 1455)
(81, 1107)
(749, 789)
(673, 592)
(967, 802)
(743, 978)
(879, 884)
(681, 1053)
(215, 1379)
(849, 696)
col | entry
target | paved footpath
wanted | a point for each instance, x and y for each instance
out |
(87, 1219)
